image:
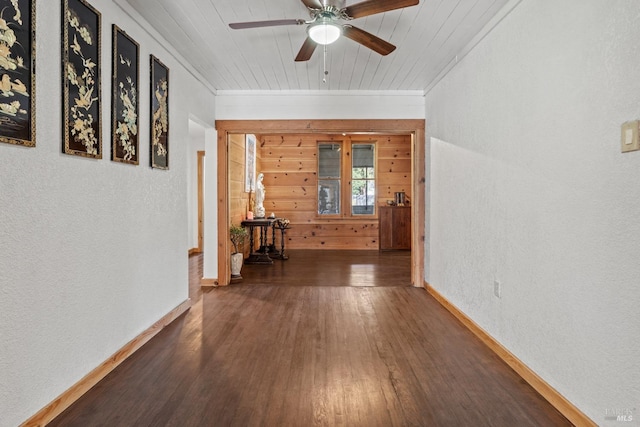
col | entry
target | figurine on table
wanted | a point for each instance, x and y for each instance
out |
(260, 192)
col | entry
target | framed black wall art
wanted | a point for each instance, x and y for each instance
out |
(17, 72)
(81, 90)
(124, 108)
(159, 114)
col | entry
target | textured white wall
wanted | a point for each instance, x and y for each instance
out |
(319, 105)
(528, 187)
(196, 143)
(92, 252)
(210, 240)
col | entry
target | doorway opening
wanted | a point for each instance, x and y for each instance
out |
(365, 128)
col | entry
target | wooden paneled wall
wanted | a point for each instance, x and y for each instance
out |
(289, 163)
(394, 167)
(238, 199)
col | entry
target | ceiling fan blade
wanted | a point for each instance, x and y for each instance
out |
(307, 49)
(258, 24)
(368, 40)
(371, 7)
(312, 4)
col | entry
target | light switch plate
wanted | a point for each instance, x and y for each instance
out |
(629, 141)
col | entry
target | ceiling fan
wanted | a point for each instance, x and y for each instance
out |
(324, 27)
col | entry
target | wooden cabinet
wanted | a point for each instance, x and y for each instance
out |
(395, 227)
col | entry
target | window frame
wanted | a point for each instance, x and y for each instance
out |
(340, 179)
(346, 180)
(374, 179)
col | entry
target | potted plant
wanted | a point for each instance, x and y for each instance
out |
(237, 234)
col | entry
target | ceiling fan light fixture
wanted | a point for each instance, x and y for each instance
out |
(324, 32)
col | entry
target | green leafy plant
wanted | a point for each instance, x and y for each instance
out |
(238, 234)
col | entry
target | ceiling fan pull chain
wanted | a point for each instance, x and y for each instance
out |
(326, 73)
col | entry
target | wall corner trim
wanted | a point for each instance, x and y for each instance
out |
(566, 408)
(66, 399)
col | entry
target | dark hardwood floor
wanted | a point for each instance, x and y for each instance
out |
(295, 345)
(334, 268)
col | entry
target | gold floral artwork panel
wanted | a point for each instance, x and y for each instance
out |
(81, 76)
(17, 72)
(125, 109)
(159, 114)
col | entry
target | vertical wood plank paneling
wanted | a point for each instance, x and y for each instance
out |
(240, 202)
(289, 163)
(238, 199)
(394, 167)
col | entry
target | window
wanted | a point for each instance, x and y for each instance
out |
(363, 179)
(329, 166)
(356, 162)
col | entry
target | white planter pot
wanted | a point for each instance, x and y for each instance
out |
(236, 265)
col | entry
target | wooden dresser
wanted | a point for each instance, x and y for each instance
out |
(395, 227)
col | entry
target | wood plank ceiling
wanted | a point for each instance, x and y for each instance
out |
(428, 37)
